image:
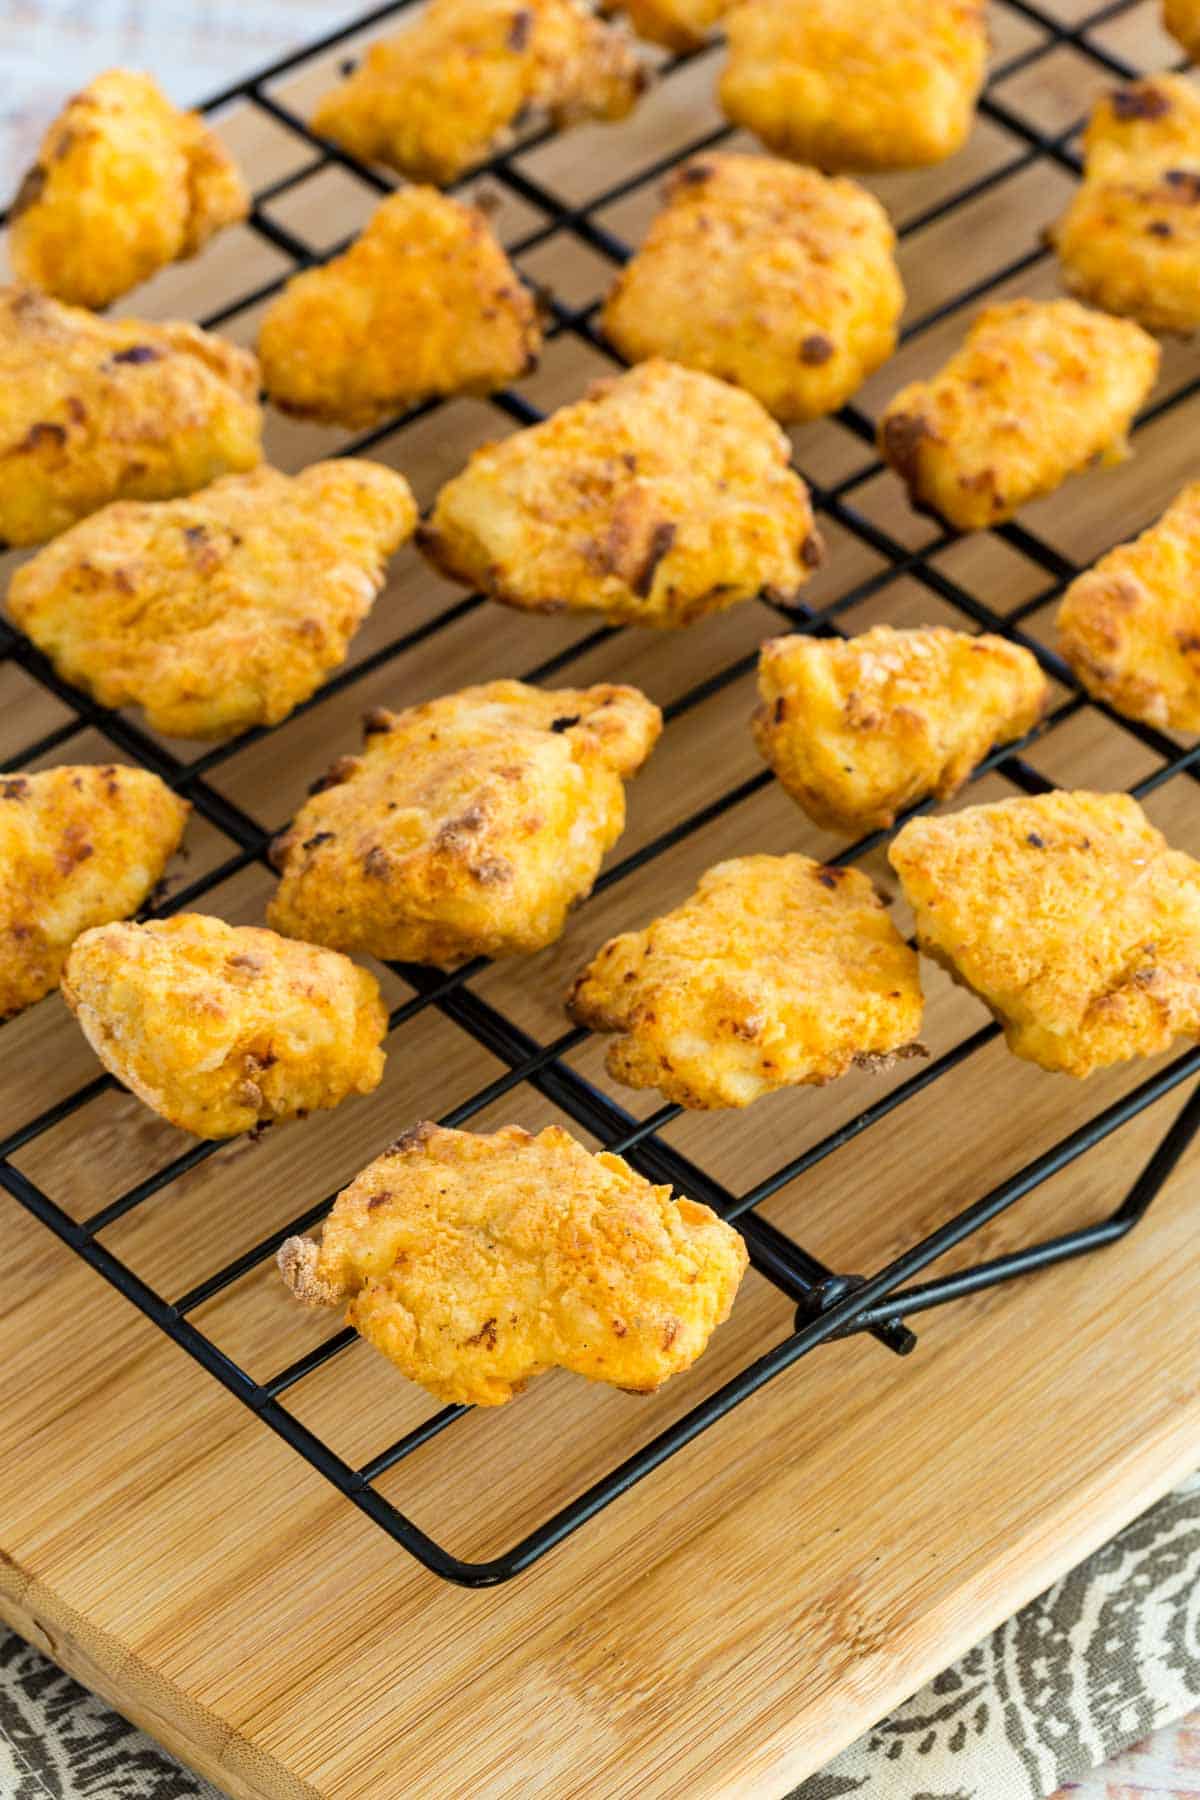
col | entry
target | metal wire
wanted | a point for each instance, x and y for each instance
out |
(829, 1304)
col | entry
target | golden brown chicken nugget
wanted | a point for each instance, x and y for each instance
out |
(676, 24)
(220, 1028)
(425, 302)
(856, 84)
(777, 972)
(124, 183)
(660, 497)
(79, 845)
(1130, 240)
(800, 298)
(859, 729)
(468, 827)
(221, 611)
(1182, 20)
(1130, 627)
(447, 91)
(1039, 390)
(1070, 918)
(474, 1263)
(93, 410)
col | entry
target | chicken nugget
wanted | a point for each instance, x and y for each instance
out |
(468, 827)
(1069, 916)
(856, 84)
(1130, 627)
(676, 24)
(859, 729)
(221, 1028)
(124, 183)
(777, 972)
(447, 92)
(222, 611)
(801, 295)
(425, 302)
(1182, 19)
(79, 845)
(1130, 240)
(663, 495)
(474, 1263)
(1039, 390)
(93, 410)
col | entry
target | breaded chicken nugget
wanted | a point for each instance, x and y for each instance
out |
(856, 84)
(800, 298)
(78, 846)
(220, 1027)
(676, 24)
(1182, 20)
(1130, 240)
(660, 497)
(447, 91)
(468, 827)
(1130, 627)
(474, 1263)
(858, 730)
(425, 302)
(124, 183)
(221, 611)
(1069, 917)
(777, 972)
(1039, 390)
(93, 410)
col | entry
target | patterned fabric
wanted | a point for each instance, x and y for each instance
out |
(1163, 1767)
(1092, 1666)
(58, 1742)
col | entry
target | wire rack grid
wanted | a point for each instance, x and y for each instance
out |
(828, 1303)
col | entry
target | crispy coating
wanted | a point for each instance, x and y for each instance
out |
(221, 1028)
(801, 296)
(474, 1263)
(1130, 627)
(1182, 20)
(858, 730)
(468, 827)
(425, 302)
(856, 84)
(93, 410)
(676, 24)
(1039, 390)
(446, 92)
(1070, 918)
(1130, 240)
(777, 972)
(221, 611)
(660, 497)
(79, 845)
(124, 183)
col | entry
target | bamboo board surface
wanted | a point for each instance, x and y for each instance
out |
(740, 1616)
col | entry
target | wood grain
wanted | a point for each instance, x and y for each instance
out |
(740, 1616)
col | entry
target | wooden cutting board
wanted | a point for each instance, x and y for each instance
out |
(744, 1613)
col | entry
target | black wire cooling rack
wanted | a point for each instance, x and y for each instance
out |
(828, 1303)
